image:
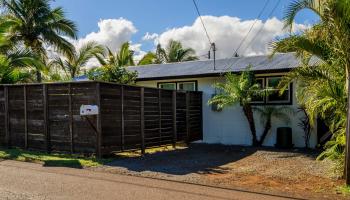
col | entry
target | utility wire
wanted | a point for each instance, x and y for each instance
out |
(251, 28)
(262, 27)
(229, 64)
(200, 17)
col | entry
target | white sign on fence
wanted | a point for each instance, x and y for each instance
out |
(88, 110)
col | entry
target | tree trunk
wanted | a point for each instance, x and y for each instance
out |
(266, 131)
(347, 148)
(248, 112)
(38, 76)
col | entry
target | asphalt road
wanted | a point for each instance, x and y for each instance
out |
(19, 180)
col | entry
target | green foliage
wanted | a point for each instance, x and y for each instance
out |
(240, 89)
(35, 24)
(174, 52)
(113, 67)
(61, 160)
(322, 86)
(15, 63)
(73, 64)
(113, 73)
(237, 89)
(149, 58)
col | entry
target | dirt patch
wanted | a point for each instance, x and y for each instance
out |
(293, 172)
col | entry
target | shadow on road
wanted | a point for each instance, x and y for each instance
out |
(197, 158)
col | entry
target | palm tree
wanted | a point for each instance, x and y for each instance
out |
(240, 90)
(15, 66)
(267, 114)
(113, 66)
(328, 40)
(149, 58)
(35, 24)
(174, 52)
(73, 64)
(124, 57)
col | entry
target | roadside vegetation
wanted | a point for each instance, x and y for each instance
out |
(52, 159)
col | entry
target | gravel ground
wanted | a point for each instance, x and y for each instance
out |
(292, 172)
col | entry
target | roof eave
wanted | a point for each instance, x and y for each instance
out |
(211, 74)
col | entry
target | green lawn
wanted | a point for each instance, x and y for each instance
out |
(53, 159)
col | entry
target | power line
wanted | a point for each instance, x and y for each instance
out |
(200, 17)
(251, 28)
(262, 27)
(229, 64)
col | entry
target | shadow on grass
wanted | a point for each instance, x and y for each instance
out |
(51, 160)
(63, 163)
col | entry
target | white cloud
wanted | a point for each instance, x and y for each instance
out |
(111, 33)
(227, 32)
(148, 36)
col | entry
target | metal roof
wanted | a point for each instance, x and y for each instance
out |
(203, 68)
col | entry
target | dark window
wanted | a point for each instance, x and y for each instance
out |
(275, 96)
(170, 86)
(187, 86)
(259, 99)
(181, 85)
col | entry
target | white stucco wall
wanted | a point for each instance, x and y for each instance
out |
(230, 125)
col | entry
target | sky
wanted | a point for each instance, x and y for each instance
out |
(145, 23)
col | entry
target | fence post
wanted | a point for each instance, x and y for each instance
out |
(25, 117)
(70, 118)
(46, 118)
(142, 119)
(98, 121)
(174, 120)
(122, 116)
(187, 117)
(7, 121)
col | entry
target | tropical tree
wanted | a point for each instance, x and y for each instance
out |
(268, 114)
(124, 57)
(240, 89)
(149, 58)
(328, 41)
(113, 66)
(16, 63)
(73, 64)
(175, 52)
(34, 24)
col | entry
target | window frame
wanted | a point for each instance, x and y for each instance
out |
(266, 102)
(159, 84)
(279, 101)
(177, 84)
(263, 85)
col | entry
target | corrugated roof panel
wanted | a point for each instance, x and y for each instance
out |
(284, 61)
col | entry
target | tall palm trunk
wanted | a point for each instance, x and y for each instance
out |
(36, 50)
(248, 112)
(347, 150)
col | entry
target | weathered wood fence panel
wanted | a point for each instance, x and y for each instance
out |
(47, 117)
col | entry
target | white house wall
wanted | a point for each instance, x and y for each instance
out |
(230, 125)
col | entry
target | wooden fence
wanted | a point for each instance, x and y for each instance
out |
(47, 117)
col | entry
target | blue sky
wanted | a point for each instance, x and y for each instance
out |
(158, 16)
